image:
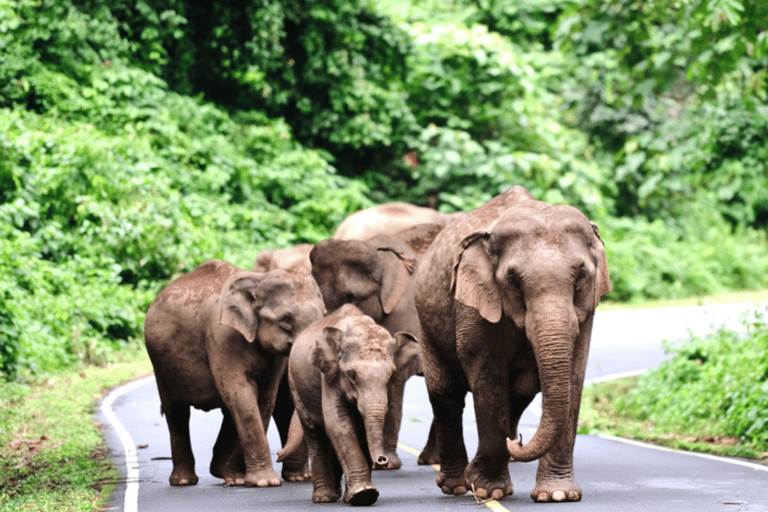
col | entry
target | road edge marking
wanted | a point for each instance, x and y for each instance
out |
(131, 499)
(709, 456)
(650, 446)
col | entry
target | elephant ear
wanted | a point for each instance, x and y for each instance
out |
(408, 355)
(603, 281)
(474, 278)
(397, 267)
(326, 352)
(239, 305)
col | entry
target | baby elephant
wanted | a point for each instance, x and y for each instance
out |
(219, 337)
(339, 371)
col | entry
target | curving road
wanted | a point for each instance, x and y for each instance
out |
(616, 475)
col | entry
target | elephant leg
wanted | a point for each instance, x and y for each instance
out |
(246, 403)
(177, 417)
(488, 473)
(295, 466)
(228, 462)
(447, 395)
(326, 470)
(429, 454)
(517, 406)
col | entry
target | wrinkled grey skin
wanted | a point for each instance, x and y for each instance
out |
(387, 219)
(506, 297)
(375, 276)
(219, 337)
(339, 371)
(292, 259)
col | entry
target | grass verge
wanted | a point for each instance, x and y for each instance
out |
(601, 414)
(52, 455)
(710, 395)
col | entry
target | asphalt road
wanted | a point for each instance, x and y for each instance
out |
(615, 475)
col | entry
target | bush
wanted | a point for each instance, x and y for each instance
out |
(715, 386)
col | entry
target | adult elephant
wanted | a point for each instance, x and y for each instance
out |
(387, 219)
(290, 259)
(506, 297)
(375, 276)
(219, 337)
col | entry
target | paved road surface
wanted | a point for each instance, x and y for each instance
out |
(615, 475)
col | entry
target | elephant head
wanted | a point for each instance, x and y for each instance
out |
(543, 269)
(358, 359)
(271, 308)
(371, 274)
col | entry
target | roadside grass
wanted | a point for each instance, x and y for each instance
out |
(52, 455)
(710, 396)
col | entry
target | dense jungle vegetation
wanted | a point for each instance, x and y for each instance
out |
(139, 138)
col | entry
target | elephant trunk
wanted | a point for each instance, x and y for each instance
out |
(295, 438)
(552, 335)
(374, 414)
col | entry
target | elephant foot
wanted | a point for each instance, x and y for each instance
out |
(393, 462)
(361, 495)
(485, 488)
(325, 494)
(296, 472)
(556, 490)
(264, 478)
(429, 457)
(182, 477)
(452, 485)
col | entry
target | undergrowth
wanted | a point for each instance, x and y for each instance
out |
(710, 395)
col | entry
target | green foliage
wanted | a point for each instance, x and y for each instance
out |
(332, 69)
(112, 185)
(141, 138)
(714, 386)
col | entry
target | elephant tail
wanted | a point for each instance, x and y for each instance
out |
(295, 438)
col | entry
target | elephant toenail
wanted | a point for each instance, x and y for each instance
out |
(497, 494)
(558, 496)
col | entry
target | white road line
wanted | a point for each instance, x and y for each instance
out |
(131, 502)
(728, 460)
(756, 467)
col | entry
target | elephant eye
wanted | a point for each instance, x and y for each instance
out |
(582, 272)
(286, 323)
(352, 374)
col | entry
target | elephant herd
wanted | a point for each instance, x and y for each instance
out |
(497, 301)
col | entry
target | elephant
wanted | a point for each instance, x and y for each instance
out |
(295, 467)
(506, 298)
(219, 337)
(289, 259)
(388, 218)
(339, 372)
(375, 276)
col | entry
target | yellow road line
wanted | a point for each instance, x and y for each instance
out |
(491, 504)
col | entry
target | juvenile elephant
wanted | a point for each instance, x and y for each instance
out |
(340, 371)
(387, 218)
(375, 276)
(218, 337)
(506, 297)
(295, 466)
